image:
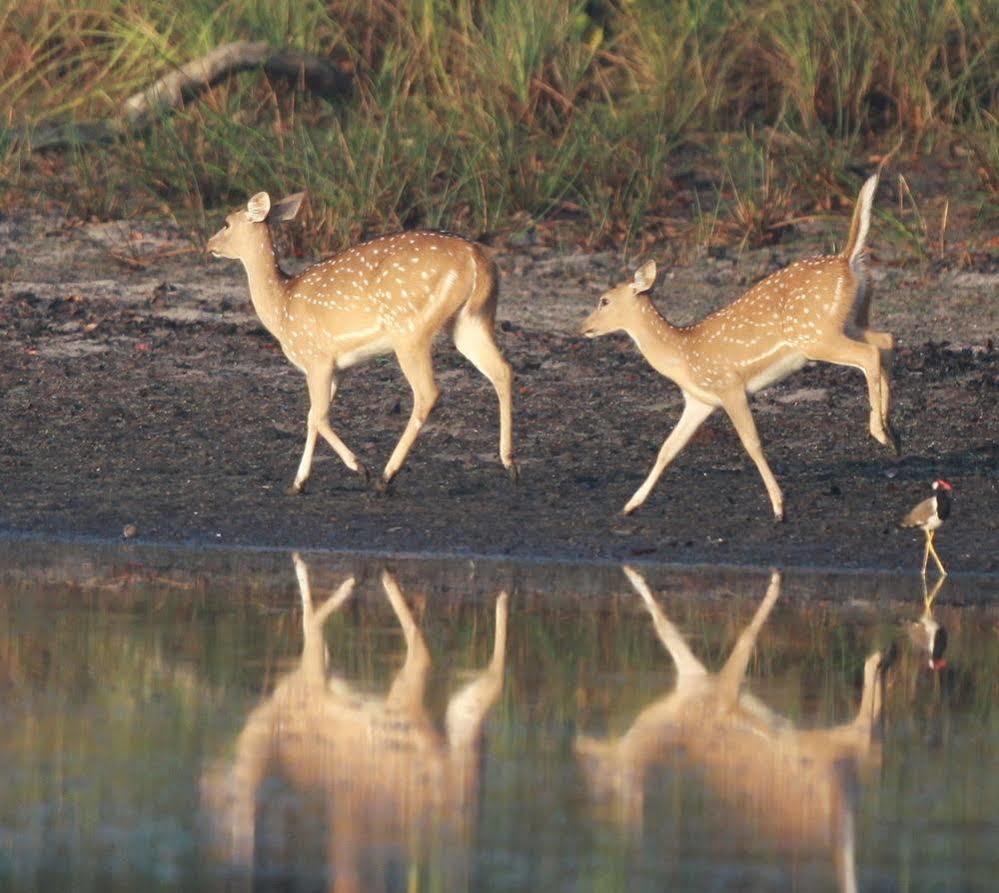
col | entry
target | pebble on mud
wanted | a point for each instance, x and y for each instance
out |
(129, 531)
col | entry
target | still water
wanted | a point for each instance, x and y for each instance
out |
(226, 720)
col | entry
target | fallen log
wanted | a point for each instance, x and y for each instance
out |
(172, 91)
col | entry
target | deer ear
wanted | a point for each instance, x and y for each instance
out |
(645, 277)
(287, 208)
(258, 207)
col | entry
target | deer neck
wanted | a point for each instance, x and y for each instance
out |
(268, 284)
(659, 341)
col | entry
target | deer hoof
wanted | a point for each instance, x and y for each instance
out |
(362, 470)
(296, 489)
(513, 472)
(384, 486)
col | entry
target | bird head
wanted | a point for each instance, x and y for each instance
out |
(938, 646)
(942, 485)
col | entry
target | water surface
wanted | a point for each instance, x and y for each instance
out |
(232, 720)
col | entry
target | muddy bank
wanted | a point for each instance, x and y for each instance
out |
(136, 387)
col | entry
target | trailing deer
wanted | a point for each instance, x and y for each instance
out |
(387, 784)
(796, 788)
(392, 294)
(815, 309)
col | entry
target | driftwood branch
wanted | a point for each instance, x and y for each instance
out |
(173, 90)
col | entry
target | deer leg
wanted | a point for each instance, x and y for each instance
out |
(872, 695)
(881, 340)
(410, 683)
(687, 665)
(730, 676)
(343, 853)
(473, 336)
(885, 343)
(419, 371)
(249, 770)
(845, 856)
(737, 407)
(314, 656)
(305, 465)
(322, 388)
(693, 415)
(862, 322)
(844, 351)
(467, 709)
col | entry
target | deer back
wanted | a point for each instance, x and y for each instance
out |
(386, 291)
(758, 338)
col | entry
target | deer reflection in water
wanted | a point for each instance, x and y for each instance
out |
(393, 790)
(792, 787)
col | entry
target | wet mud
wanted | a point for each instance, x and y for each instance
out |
(137, 388)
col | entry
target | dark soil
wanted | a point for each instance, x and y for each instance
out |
(137, 388)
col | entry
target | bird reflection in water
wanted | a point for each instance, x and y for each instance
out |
(392, 795)
(794, 788)
(927, 635)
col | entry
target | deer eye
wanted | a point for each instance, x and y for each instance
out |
(226, 225)
(604, 302)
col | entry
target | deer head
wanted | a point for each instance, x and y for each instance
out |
(617, 306)
(239, 237)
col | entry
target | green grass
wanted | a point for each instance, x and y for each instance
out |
(484, 117)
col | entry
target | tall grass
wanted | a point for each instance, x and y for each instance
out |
(479, 116)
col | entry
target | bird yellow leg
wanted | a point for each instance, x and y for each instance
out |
(931, 596)
(936, 558)
(926, 553)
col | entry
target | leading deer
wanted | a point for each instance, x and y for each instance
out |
(796, 788)
(390, 787)
(392, 294)
(815, 309)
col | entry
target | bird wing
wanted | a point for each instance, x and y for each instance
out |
(920, 514)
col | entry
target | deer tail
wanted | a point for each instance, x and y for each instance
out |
(855, 244)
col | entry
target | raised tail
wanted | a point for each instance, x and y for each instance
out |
(861, 222)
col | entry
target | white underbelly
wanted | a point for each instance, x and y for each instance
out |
(708, 398)
(775, 372)
(363, 352)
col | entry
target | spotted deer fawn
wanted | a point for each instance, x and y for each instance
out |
(391, 787)
(796, 788)
(815, 309)
(394, 293)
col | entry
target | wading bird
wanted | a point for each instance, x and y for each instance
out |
(928, 516)
(926, 634)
